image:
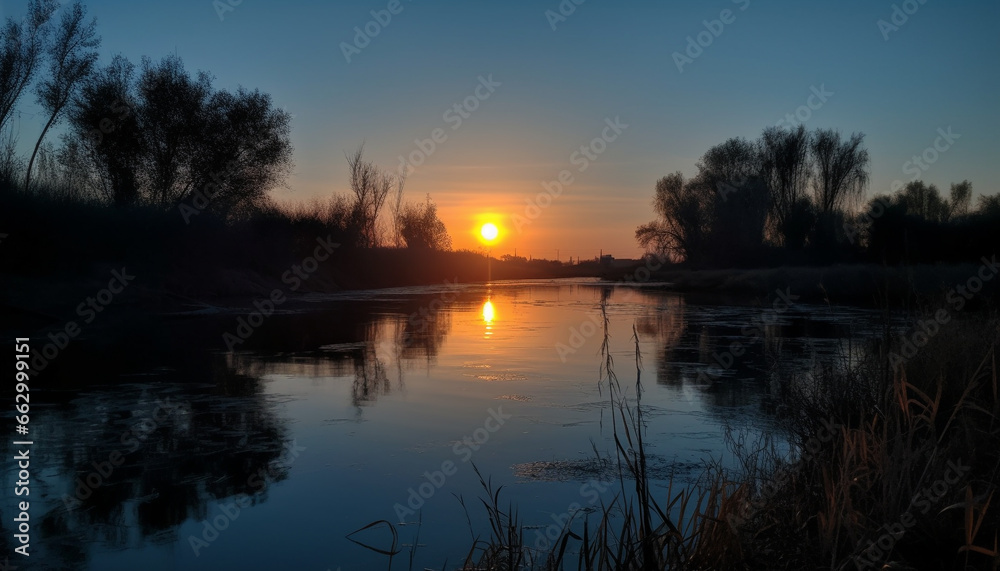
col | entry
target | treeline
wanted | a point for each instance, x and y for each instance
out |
(151, 141)
(795, 196)
(917, 224)
(151, 136)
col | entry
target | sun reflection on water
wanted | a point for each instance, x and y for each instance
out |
(488, 316)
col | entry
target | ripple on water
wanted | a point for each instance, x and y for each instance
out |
(499, 376)
(603, 469)
(518, 398)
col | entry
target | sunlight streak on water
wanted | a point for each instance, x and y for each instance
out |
(488, 316)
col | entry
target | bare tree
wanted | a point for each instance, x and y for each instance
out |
(10, 163)
(683, 224)
(171, 111)
(167, 138)
(243, 149)
(72, 58)
(21, 48)
(785, 169)
(841, 169)
(742, 200)
(104, 139)
(397, 205)
(421, 227)
(731, 163)
(989, 205)
(961, 197)
(371, 186)
(923, 200)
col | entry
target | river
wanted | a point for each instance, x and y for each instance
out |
(157, 448)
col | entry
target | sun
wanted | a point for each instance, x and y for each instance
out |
(489, 232)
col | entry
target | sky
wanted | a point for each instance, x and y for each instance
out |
(655, 83)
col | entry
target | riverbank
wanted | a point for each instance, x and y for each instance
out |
(855, 284)
(39, 299)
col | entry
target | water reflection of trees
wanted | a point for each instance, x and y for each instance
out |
(372, 346)
(695, 348)
(180, 446)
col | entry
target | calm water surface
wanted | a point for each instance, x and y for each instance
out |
(375, 405)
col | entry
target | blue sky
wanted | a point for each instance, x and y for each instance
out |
(558, 86)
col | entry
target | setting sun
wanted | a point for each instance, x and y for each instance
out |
(489, 232)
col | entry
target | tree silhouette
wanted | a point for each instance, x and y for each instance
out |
(173, 106)
(21, 48)
(243, 149)
(166, 137)
(106, 133)
(841, 169)
(750, 197)
(785, 169)
(961, 196)
(924, 201)
(683, 208)
(371, 186)
(72, 57)
(421, 228)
